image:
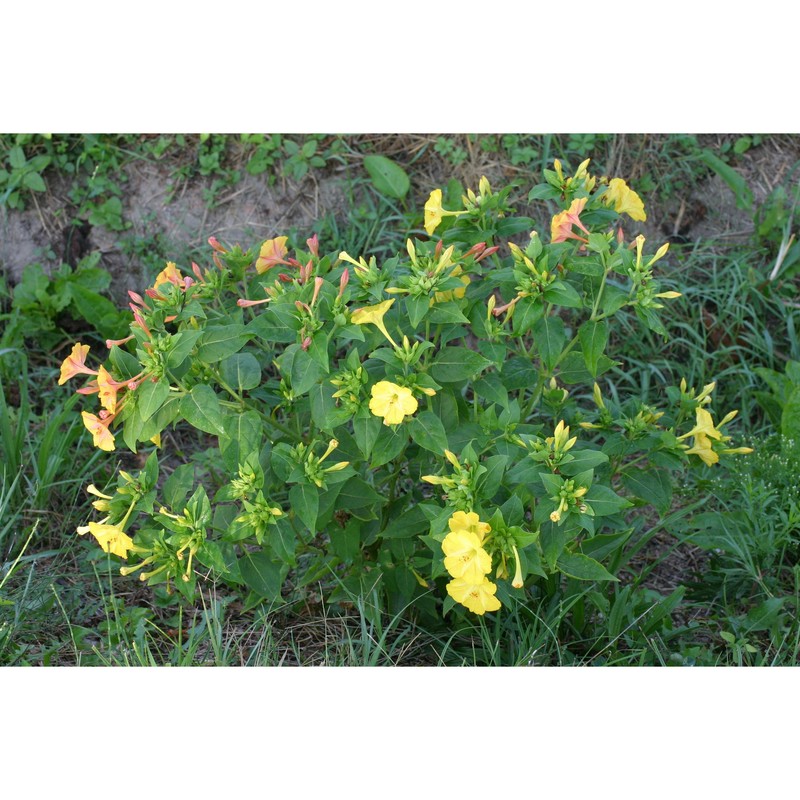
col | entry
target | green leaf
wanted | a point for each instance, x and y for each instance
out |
(263, 575)
(181, 345)
(304, 500)
(201, 408)
(357, 493)
(178, 485)
(583, 460)
(605, 501)
(34, 182)
(150, 397)
(652, 485)
(526, 313)
(583, 568)
(16, 157)
(221, 341)
(408, 523)
(593, 337)
(275, 325)
(241, 371)
(563, 294)
(366, 428)
(427, 431)
(306, 371)
(242, 437)
(447, 313)
(389, 179)
(737, 184)
(454, 364)
(548, 333)
(554, 539)
(490, 388)
(416, 308)
(324, 411)
(389, 444)
(790, 418)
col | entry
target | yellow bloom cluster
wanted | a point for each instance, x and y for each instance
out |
(705, 433)
(468, 563)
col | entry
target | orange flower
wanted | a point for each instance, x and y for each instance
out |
(75, 364)
(108, 389)
(101, 435)
(561, 227)
(272, 253)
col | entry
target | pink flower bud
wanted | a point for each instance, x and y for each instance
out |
(137, 298)
(438, 251)
(197, 272)
(343, 281)
(306, 343)
(313, 245)
(216, 245)
(154, 295)
(118, 342)
(489, 251)
(284, 277)
(317, 286)
(476, 249)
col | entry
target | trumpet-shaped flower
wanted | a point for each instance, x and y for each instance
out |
(374, 315)
(110, 537)
(477, 597)
(561, 226)
(469, 522)
(702, 448)
(433, 211)
(272, 253)
(392, 402)
(75, 364)
(101, 435)
(624, 200)
(170, 274)
(465, 557)
(108, 388)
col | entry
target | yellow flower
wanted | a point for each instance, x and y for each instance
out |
(518, 581)
(464, 556)
(433, 211)
(478, 598)
(624, 200)
(392, 402)
(469, 522)
(110, 537)
(170, 274)
(101, 435)
(705, 425)
(374, 315)
(272, 252)
(561, 225)
(75, 364)
(702, 447)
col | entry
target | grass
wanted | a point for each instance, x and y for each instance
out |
(61, 603)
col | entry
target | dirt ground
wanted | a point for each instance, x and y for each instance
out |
(157, 203)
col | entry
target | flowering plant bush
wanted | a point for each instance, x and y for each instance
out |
(433, 427)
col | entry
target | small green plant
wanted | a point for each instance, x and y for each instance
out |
(782, 402)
